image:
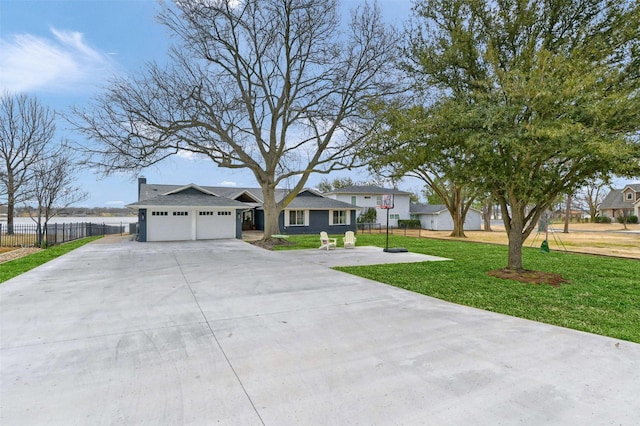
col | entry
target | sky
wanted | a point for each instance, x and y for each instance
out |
(63, 52)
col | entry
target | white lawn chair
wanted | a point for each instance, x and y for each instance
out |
(349, 239)
(326, 242)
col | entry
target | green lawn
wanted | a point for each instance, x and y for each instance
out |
(603, 296)
(16, 267)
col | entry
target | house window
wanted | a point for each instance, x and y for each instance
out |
(339, 217)
(159, 213)
(205, 213)
(414, 217)
(353, 200)
(224, 213)
(296, 218)
(378, 200)
(181, 213)
(630, 196)
(394, 216)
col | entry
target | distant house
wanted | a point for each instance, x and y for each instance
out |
(366, 197)
(193, 212)
(622, 202)
(433, 217)
(436, 217)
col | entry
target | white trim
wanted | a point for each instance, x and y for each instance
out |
(347, 213)
(287, 217)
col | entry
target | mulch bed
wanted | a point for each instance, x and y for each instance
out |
(529, 277)
(7, 256)
(270, 243)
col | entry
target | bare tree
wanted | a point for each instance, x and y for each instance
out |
(53, 188)
(592, 195)
(273, 86)
(26, 128)
(327, 186)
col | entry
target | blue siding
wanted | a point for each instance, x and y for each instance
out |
(142, 225)
(258, 219)
(239, 224)
(318, 221)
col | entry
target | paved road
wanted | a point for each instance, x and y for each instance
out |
(222, 332)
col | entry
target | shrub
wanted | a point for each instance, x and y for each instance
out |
(603, 219)
(626, 219)
(368, 217)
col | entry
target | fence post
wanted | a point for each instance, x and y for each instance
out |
(0, 234)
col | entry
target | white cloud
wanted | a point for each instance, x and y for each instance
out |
(227, 183)
(64, 62)
(187, 155)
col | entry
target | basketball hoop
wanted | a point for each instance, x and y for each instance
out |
(387, 202)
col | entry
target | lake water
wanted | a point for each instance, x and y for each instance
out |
(116, 220)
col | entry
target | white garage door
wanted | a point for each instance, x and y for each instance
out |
(169, 225)
(213, 224)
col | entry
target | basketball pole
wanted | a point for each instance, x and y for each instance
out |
(387, 249)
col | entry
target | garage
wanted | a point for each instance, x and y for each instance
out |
(214, 224)
(168, 225)
(188, 213)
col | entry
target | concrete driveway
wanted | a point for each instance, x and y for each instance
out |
(222, 332)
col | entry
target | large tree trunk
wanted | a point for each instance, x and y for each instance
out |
(458, 224)
(516, 240)
(514, 224)
(455, 205)
(271, 212)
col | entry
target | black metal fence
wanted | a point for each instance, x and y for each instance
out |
(28, 235)
(377, 228)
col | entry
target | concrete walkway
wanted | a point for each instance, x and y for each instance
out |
(223, 332)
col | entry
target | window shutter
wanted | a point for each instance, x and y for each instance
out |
(306, 217)
(286, 214)
(330, 217)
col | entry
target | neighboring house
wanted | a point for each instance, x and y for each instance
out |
(367, 197)
(436, 217)
(192, 212)
(622, 202)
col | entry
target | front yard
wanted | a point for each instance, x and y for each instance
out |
(602, 296)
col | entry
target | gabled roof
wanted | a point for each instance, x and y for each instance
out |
(615, 200)
(185, 196)
(417, 208)
(218, 196)
(312, 200)
(232, 192)
(188, 187)
(367, 189)
(426, 208)
(633, 186)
